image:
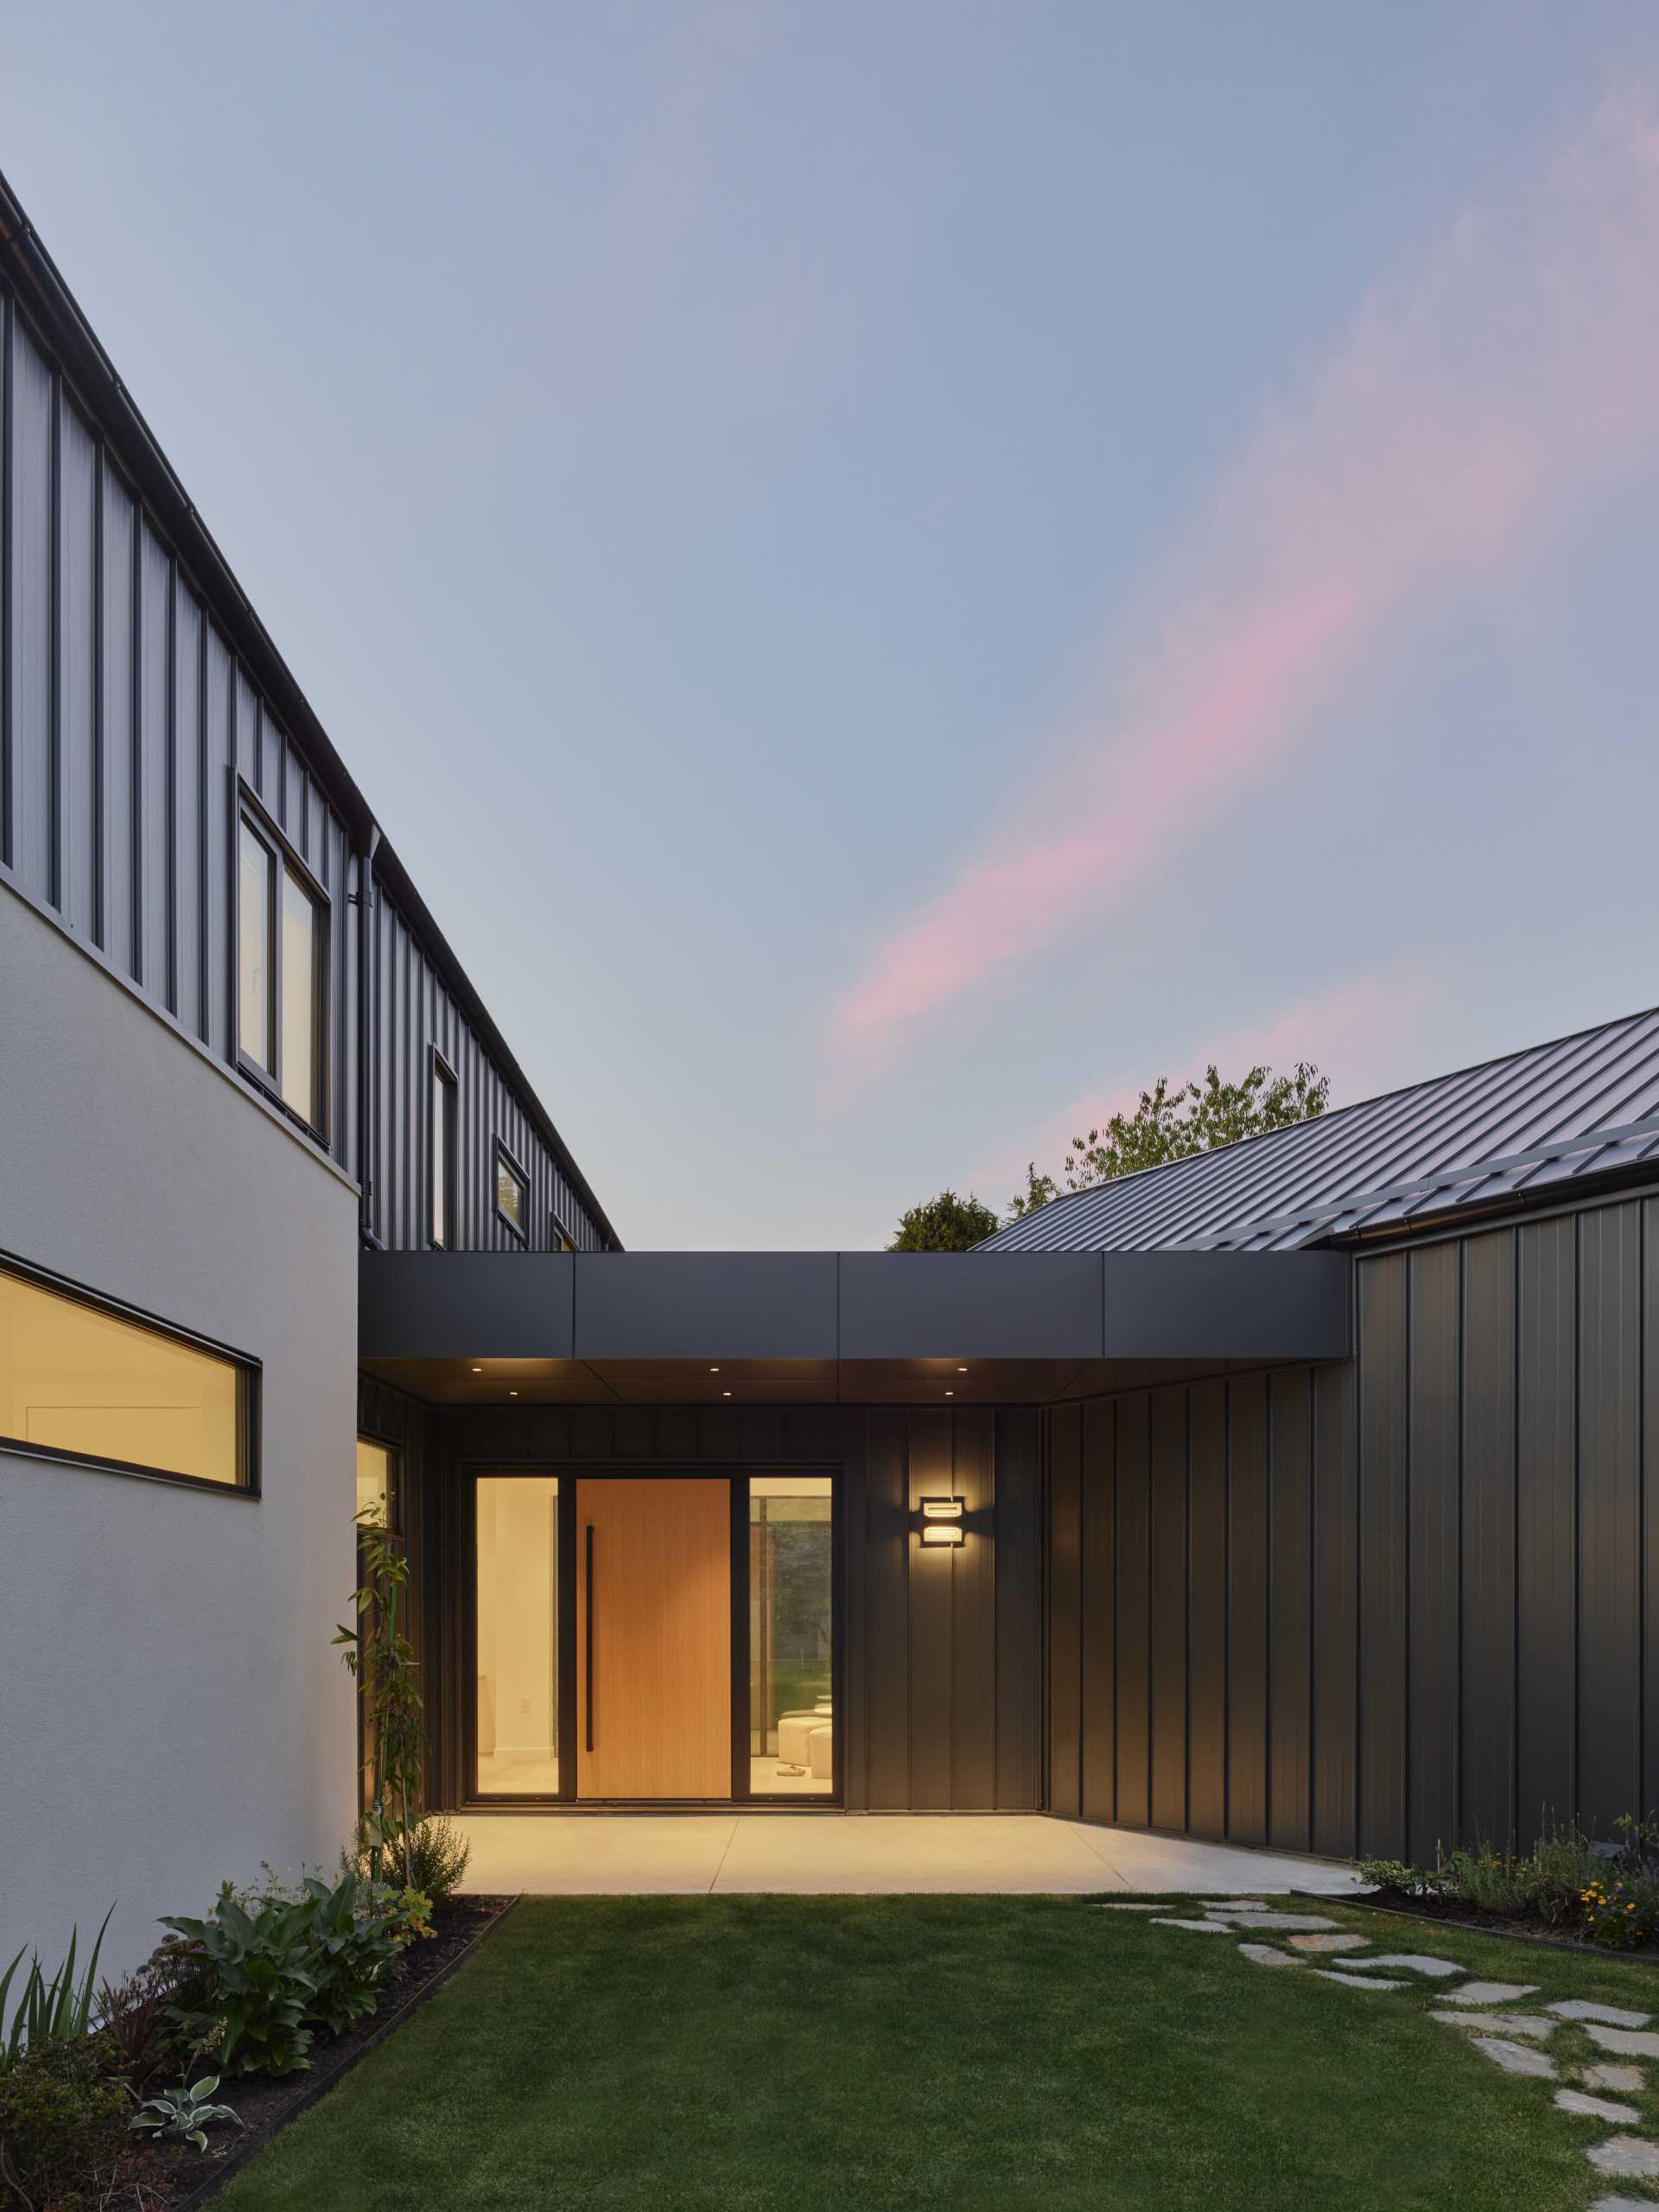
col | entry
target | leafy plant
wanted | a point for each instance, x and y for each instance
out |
(382, 1660)
(1562, 1866)
(185, 2116)
(1395, 1874)
(62, 2124)
(1490, 1879)
(141, 2013)
(349, 1948)
(59, 2011)
(261, 1988)
(438, 1856)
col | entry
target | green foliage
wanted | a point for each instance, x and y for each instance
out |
(56, 2010)
(185, 2116)
(1621, 1915)
(382, 1660)
(62, 2124)
(1561, 1867)
(283, 1967)
(1486, 1877)
(1171, 1123)
(438, 1856)
(947, 1224)
(1395, 1874)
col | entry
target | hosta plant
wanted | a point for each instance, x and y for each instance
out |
(185, 2116)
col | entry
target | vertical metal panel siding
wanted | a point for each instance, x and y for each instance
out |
(1168, 1698)
(1133, 1659)
(973, 1618)
(1017, 1481)
(1098, 1603)
(123, 712)
(1064, 1608)
(1433, 1546)
(1434, 1616)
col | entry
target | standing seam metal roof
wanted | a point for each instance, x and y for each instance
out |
(1587, 1104)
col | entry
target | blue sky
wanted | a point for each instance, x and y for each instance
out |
(897, 572)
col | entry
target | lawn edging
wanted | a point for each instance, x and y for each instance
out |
(315, 2091)
(1504, 1930)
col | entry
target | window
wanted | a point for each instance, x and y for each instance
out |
(80, 1382)
(517, 1685)
(281, 916)
(512, 1191)
(792, 1710)
(558, 1237)
(377, 1488)
(442, 1163)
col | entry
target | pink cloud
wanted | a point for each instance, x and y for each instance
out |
(1508, 375)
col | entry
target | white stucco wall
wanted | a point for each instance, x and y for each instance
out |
(171, 1712)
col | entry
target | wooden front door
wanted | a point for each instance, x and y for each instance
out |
(653, 1636)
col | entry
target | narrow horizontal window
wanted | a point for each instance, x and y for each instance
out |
(82, 1382)
(512, 1192)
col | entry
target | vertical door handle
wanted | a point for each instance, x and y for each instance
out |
(587, 1639)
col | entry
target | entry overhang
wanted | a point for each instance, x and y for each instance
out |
(836, 1325)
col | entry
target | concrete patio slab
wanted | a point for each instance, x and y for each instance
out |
(895, 1853)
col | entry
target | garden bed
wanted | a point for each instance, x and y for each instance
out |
(1521, 1929)
(169, 2178)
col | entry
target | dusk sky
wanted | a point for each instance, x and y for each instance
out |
(896, 572)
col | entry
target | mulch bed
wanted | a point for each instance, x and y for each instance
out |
(1452, 1912)
(177, 2178)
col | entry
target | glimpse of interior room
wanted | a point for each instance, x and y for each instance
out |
(791, 1733)
(517, 1635)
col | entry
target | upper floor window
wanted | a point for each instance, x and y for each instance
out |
(512, 1191)
(441, 1167)
(559, 1236)
(80, 1380)
(281, 936)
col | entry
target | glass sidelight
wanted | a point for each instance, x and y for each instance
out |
(791, 1614)
(517, 1618)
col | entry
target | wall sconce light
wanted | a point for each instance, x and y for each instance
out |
(942, 1521)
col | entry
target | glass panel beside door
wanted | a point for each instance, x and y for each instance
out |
(516, 1676)
(792, 1641)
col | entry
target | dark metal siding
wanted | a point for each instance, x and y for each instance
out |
(124, 713)
(944, 1650)
(1421, 1587)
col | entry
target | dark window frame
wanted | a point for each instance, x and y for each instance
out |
(441, 1074)
(500, 1155)
(250, 1391)
(559, 1235)
(247, 807)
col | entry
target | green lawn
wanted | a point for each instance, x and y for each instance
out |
(738, 2054)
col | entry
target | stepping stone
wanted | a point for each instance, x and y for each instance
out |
(1574, 2101)
(1576, 2008)
(1302, 1922)
(1623, 2042)
(1628, 2078)
(1328, 1942)
(1414, 1961)
(1516, 2057)
(1630, 2155)
(1490, 1993)
(1353, 1981)
(1199, 1927)
(1502, 2024)
(1264, 1954)
(1129, 1908)
(1622, 2204)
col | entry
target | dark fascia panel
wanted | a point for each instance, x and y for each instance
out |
(964, 1305)
(461, 1305)
(706, 1305)
(1253, 1306)
(855, 1306)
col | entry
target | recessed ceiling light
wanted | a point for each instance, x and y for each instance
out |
(962, 1370)
(725, 1394)
(512, 1394)
(950, 1394)
(714, 1370)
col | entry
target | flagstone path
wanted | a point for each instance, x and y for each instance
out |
(1509, 2039)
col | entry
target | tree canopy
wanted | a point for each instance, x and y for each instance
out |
(1170, 1122)
(946, 1224)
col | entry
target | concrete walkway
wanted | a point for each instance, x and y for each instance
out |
(687, 1854)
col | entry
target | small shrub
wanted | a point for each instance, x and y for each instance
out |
(185, 2116)
(438, 1856)
(141, 2014)
(1395, 1874)
(62, 2124)
(1560, 1868)
(1490, 1879)
(350, 1948)
(58, 2011)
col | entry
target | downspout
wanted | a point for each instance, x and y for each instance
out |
(367, 1072)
